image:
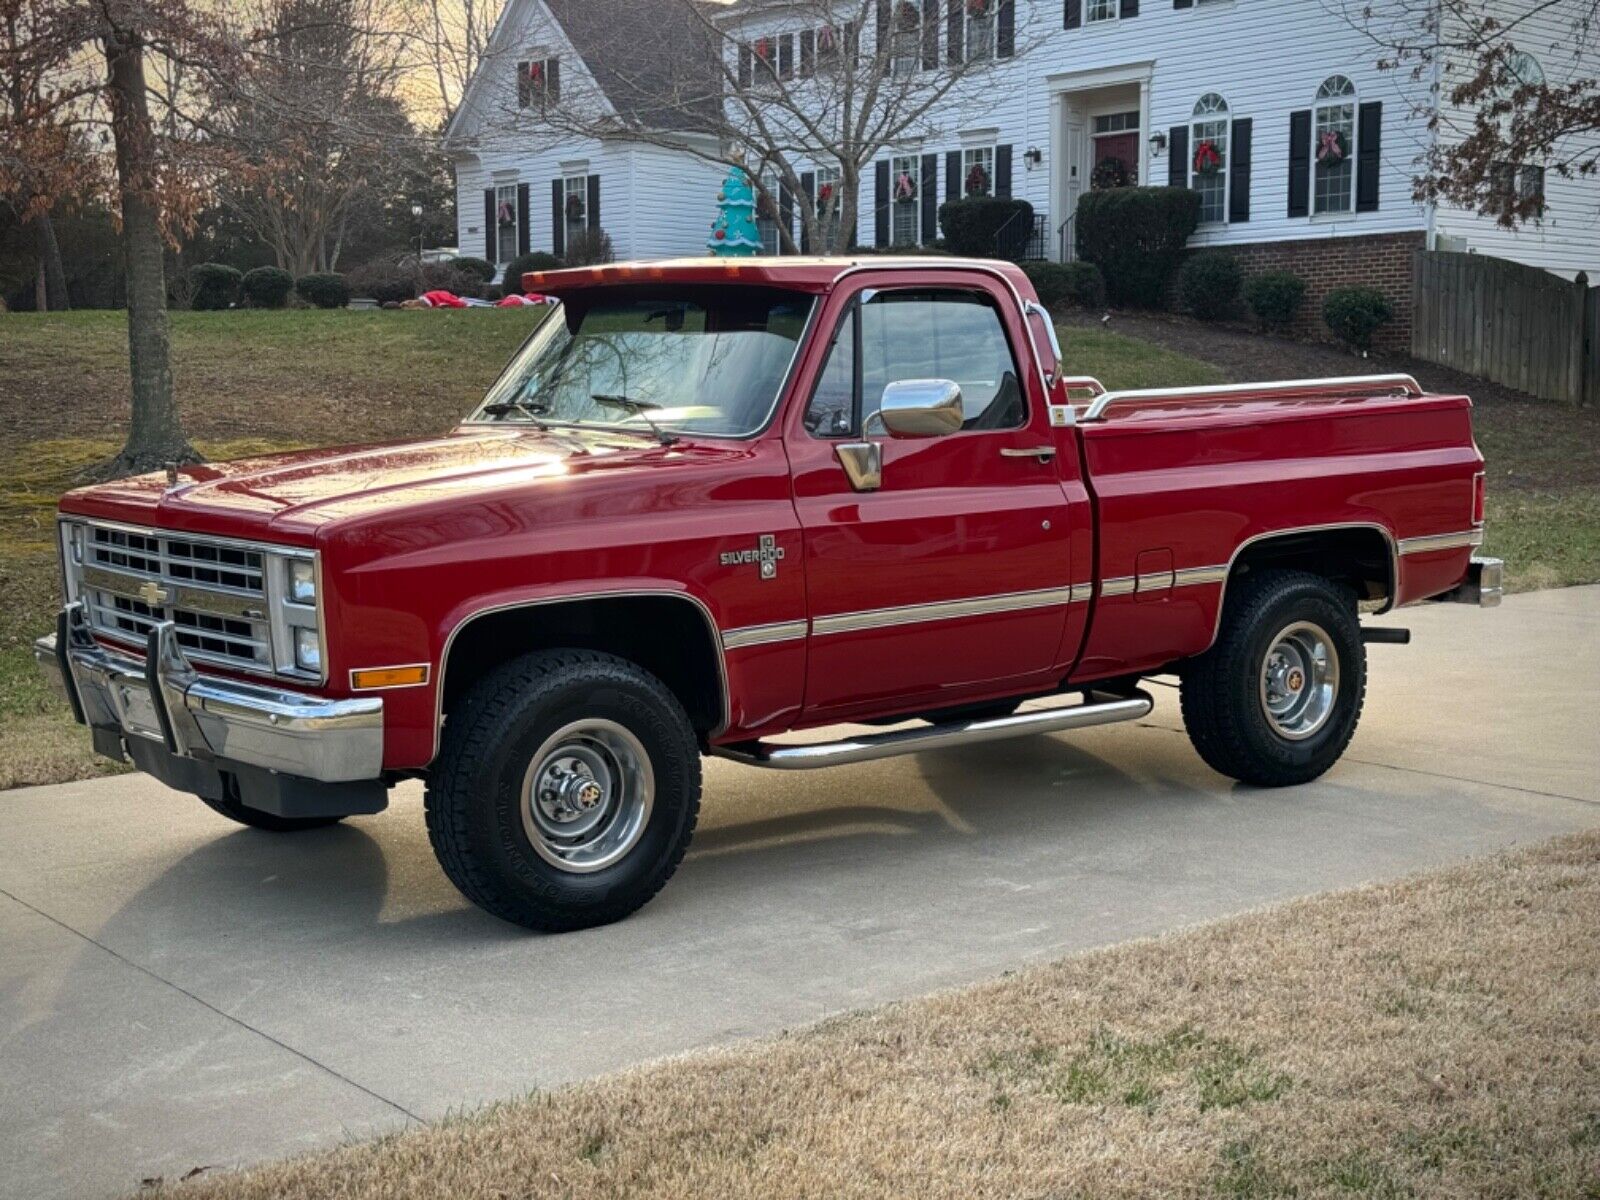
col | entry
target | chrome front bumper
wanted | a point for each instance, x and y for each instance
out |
(205, 719)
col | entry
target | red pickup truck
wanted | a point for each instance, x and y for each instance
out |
(711, 503)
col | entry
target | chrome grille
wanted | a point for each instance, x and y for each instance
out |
(225, 598)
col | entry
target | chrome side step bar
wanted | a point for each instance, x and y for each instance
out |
(1097, 710)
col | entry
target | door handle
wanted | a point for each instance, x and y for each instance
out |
(1042, 453)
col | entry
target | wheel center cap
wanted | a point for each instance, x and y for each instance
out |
(589, 794)
(1297, 680)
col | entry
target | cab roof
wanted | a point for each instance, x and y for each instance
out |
(795, 273)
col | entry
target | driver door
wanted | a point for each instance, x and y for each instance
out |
(950, 581)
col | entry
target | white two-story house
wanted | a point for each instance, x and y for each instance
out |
(1238, 100)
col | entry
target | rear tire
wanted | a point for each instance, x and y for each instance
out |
(1276, 700)
(566, 791)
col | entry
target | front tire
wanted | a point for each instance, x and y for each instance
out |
(566, 791)
(1276, 700)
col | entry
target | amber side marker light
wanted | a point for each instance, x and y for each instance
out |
(388, 677)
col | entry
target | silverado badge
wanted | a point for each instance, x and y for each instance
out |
(767, 553)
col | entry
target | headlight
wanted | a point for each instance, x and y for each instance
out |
(307, 650)
(302, 581)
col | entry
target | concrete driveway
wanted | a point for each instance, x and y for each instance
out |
(178, 992)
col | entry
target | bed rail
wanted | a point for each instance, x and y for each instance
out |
(1289, 389)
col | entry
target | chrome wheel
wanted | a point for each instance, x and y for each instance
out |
(1300, 680)
(587, 796)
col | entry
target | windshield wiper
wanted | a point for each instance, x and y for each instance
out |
(531, 409)
(637, 408)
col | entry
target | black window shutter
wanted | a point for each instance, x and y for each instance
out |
(552, 81)
(524, 86)
(1128, 8)
(786, 56)
(1005, 41)
(1178, 156)
(1074, 14)
(1182, 3)
(558, 218)
(930, 197)
(930, 35)
(808, 53)
(952, 175)
(594, 202)
(885, 28)
(1300, 163)
(1369, 147)
(808, 185)
(1002, 172)
(955, 31)
(880, 203)
(746, 56)
(524, 238)
(1239, 172)
(490, 224)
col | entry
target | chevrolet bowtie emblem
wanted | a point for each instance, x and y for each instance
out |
(766, 554)
(153, 594)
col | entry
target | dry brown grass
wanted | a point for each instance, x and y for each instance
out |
(1435, 1037)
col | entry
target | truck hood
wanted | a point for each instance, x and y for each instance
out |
(295, 494)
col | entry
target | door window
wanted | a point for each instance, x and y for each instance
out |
(895, 336)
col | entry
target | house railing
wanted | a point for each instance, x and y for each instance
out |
(1067, 250)
(1021, 239)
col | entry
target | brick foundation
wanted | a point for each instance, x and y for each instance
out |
(1382, 261)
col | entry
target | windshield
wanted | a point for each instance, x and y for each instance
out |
(696, 360)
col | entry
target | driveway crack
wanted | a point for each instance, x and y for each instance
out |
(206, 1004)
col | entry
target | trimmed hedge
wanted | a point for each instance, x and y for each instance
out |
(268, 287)
(1136, 235)
(327, 289)
(479, 268)
(1355, 314)
(216, 286)
(1208, 284)
(1275, 298)
(1067, 285)
(970, 225)
(384, 282)
(519, 266)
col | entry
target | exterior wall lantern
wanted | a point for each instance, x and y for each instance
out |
(1158, 144)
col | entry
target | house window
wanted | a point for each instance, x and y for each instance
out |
(905, 207)
(834, 42)
(1513, 185)
(1208, 157)
(575, 207)
(905, 42)
(1100, 10)
(977, 172)
(829, 203)
(980, 18)
(538, 83)
(1333, 147)
(767, 214)
(505, 222)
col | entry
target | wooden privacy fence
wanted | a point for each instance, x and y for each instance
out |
(1513, 324)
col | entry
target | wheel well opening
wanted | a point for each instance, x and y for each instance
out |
(669, 637)
(1361, 559)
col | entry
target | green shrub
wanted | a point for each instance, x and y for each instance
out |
(1275, 298)
(325, 290)
(1355, 314)
(1067, 285)
(449, 277)
(216, 286)
(522, 264)
(1208, 284)
(384, 282)
(480, 269)
(970, 226)
(589, 248)
(267, 287)
(1136, 235)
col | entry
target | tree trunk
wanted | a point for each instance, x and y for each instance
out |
(156, 436)
(52, 275)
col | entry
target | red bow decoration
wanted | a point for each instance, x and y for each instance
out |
(1330, 147)
(763, 48)
(1207, 158)
(904, 188)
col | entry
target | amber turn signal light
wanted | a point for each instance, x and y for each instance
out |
(388, 677)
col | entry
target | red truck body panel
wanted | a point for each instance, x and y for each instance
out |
(418, 538)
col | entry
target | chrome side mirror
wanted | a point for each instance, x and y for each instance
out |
(862, 463)
(921, 408)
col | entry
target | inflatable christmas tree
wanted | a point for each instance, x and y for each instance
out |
(734, 233)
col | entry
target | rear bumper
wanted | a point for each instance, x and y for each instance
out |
(162, 709)
(1483, 586)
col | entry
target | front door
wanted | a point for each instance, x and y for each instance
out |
(951, 581)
